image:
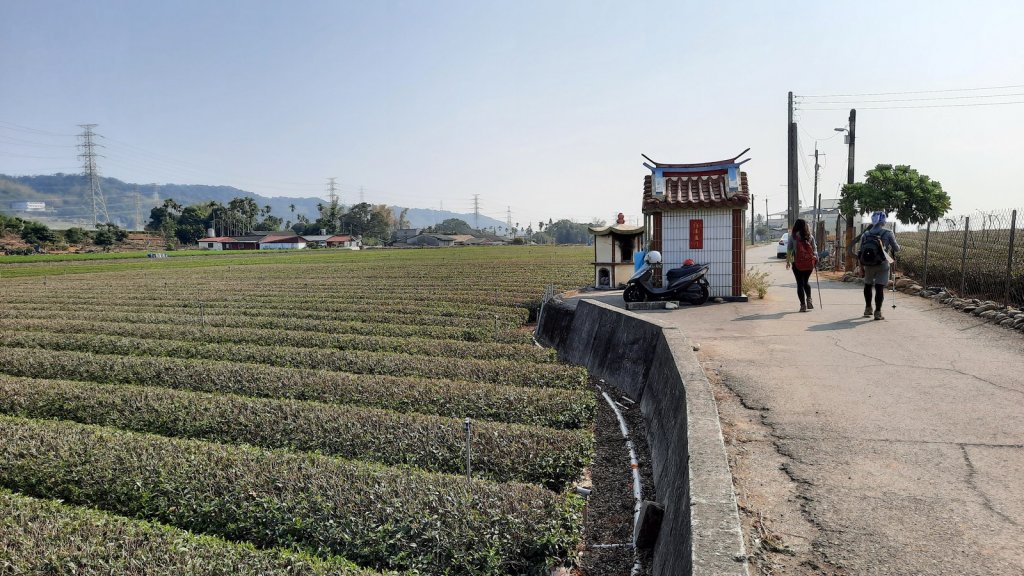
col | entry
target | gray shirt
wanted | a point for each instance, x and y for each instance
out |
(885, 235)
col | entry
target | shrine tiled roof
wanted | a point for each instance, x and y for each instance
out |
(696, 191)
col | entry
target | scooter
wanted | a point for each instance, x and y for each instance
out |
(688, 283)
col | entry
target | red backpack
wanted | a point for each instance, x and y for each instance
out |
(805, 257)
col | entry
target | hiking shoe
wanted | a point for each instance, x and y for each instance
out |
(878, 315)
(803, 308)
(867, 311)
(810, 304)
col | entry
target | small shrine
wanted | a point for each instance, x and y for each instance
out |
(697, 212)
(614, 247)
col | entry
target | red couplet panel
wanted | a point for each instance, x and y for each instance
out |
(696, 234)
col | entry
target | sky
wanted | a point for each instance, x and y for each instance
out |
(540, 108)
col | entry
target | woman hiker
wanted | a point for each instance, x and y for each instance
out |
(877, 245)
(802, 254)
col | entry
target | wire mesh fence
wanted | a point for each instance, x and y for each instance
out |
(972, 256)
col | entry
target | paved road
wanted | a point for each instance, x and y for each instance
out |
(905, 435)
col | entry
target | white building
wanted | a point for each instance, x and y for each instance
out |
(28, 206)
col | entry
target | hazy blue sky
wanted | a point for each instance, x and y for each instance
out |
(541, 106)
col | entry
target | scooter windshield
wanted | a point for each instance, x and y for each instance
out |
(639, 273)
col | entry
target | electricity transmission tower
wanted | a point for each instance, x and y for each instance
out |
(508, 221)
(362, 197)
(332, 191)
(138, 210)
(88, 156)
(476, 211)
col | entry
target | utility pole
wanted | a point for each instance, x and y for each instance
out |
(476, 211)
(817, 203)
(852, 135)
(794, 175)
(88, 156)
(751, 219)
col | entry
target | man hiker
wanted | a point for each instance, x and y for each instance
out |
(877, 245)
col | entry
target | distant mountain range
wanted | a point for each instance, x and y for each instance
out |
(68, 201)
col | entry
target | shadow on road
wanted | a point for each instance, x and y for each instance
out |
(839, 325)
(776, 316)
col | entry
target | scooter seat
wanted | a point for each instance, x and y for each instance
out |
(676, 273)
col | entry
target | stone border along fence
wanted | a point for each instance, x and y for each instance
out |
(972, 263)
(700, 532)
(976, 256)
(1006, 316)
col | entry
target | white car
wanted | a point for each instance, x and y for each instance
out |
(780, 248)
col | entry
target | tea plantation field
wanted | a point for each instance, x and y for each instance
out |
(289, 413)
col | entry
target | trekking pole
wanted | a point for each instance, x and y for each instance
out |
(818, 282)
(894, 278)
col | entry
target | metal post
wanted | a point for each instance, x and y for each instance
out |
(963, 257)
(751, 219)
(927, 235)
(1009, 258)
(468, 426)
(840, 253)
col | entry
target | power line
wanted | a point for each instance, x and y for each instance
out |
(21, 142)
(19, 128)
(911, 92)
(811, 136)
(919, 107)
(933, 98)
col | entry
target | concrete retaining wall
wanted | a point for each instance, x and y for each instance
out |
(656, 366)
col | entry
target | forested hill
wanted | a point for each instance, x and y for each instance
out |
(67, 199)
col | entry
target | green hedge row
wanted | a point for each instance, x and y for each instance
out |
(293, 338)
(550, 407)
(501, 452)
(503, 372)
(46, 537)
(378, 517)
(191, 317)
(191, 307)
(507, 315)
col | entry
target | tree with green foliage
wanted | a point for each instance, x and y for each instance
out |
(914, 197)
(568, 232)
(192, 224)
(453, 226)
(357, 220)
(37, 233)
(246, 210)
(11, 224)
(74, 235)
(109, 234)
(272, 223)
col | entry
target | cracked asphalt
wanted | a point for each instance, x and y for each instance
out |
(904, 437)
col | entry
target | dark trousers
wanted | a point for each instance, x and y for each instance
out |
(803, 284)
(879, 295)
